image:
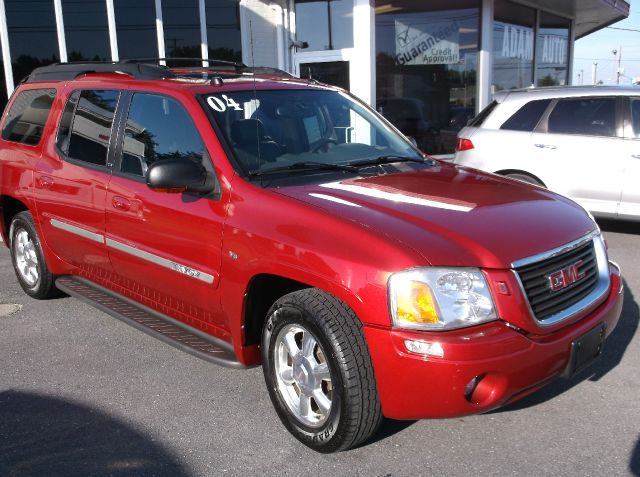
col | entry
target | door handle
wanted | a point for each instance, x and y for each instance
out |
(45, 182)
(545, 146)
(120, 203)
(635, 156)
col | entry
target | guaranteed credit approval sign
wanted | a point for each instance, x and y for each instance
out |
(420, 43)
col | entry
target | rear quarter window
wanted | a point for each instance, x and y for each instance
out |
(28, 115)
(527, 117)
(477, 121)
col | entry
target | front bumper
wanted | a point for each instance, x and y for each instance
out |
(511, 363)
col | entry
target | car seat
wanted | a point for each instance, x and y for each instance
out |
(249, 137)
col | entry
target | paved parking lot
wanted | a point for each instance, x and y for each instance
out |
(82, 393)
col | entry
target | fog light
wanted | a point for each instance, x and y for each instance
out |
(486, 390)
(422, 347)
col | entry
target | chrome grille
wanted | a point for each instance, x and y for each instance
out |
(545, 302)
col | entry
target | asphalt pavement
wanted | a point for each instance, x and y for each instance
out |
(82, 393)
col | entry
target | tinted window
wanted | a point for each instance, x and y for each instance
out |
(181, 22)
(85, 29)
(482, 115)
(64, 128)
(635, 115)
(32, 35)
(28, 115)
(136, 28)
(223, 29)
(158, 128)
(587, 116)
(91, 127)
(526, 118)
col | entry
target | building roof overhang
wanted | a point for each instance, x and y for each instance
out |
(593, 15)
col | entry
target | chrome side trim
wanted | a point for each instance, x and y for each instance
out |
(596, 295)
(77, 230)
(163, 262)
(556, 251)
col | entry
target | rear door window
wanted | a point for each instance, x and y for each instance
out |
(28, 115)
(85, 127)
(527, 117)
(158, 128)
(584, 116)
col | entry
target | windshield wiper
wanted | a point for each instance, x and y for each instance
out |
(304, 166)
(389, 159)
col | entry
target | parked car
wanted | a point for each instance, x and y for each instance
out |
(582, 142)
(255, 219)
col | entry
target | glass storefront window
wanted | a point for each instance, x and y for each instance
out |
(181, 20)
(513, 40)
(223, 30)
(85, 30)
(136, 28)
(32, 37)
(426, 62)
(552, 50)
(325, 24)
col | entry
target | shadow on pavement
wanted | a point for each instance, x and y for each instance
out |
(619, 226)
(388, 428)
(42, 435)
(634, 465)
(614, 349)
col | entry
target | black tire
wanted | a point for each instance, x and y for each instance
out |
(354, 413)
(41, 287)
(525, 178)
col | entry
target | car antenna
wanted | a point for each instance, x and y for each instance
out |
(255, 95)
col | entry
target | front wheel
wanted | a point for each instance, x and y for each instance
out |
(318, 371)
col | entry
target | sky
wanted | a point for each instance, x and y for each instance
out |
(598, 47)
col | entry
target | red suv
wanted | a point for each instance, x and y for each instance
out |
(249, 217)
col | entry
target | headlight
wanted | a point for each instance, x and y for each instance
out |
(432, 298)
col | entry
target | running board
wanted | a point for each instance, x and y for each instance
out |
(162, 327)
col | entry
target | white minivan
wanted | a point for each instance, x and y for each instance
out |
(582, 142)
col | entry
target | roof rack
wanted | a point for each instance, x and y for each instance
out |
(69, 71)
(147, 69)
(212, 62)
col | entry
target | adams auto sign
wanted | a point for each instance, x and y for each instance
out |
(420, 43)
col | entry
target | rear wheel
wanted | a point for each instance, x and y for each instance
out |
(318, 371)
(525, 178)
(28, 259)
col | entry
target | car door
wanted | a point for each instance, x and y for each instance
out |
(72, 176)
(165, 247)
(578, 139)
(630, 197)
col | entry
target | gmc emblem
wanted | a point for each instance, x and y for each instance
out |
(566, 276)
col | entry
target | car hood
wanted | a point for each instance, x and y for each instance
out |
(453, 215)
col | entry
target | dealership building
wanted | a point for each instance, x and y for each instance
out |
(427, 65)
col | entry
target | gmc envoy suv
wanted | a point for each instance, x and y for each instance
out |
(253, 218)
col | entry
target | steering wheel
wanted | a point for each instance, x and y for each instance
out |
(323, 142)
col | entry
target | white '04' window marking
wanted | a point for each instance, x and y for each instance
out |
(221, 104)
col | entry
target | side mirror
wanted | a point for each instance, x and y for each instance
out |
(179, 175)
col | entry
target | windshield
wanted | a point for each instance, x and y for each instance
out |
(275, 129)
